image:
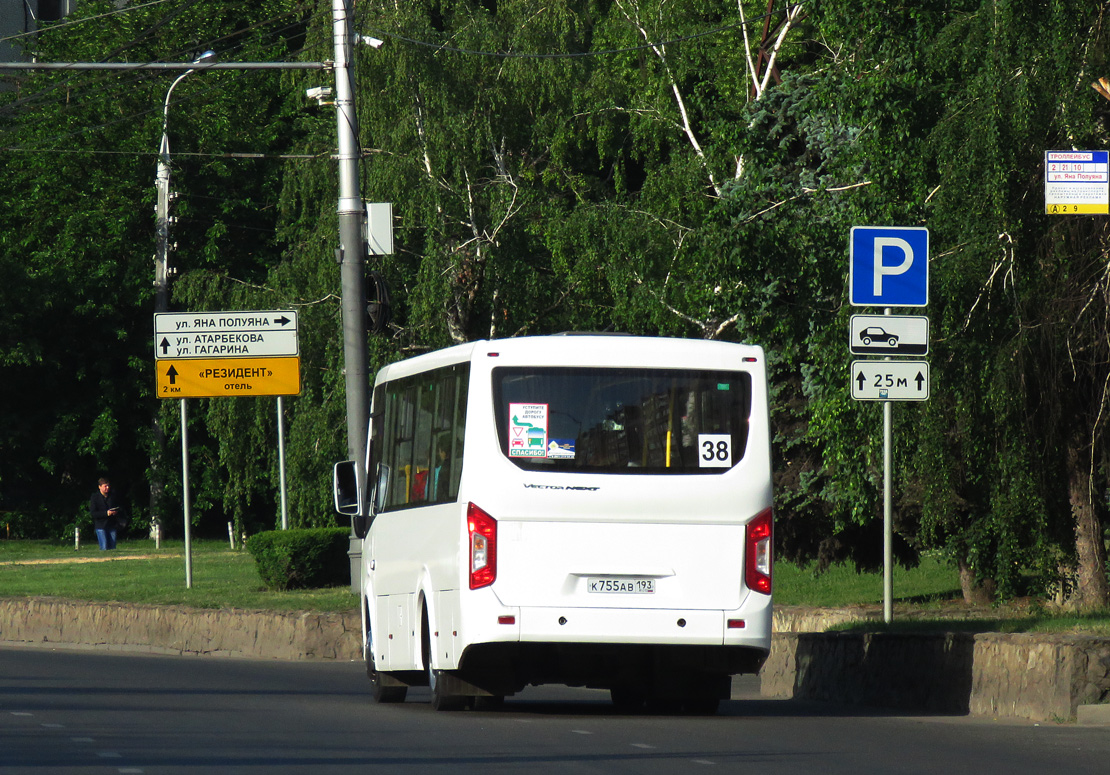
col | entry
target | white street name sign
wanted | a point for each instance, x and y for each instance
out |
(244, 334)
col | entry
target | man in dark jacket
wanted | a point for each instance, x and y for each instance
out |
(106, 514)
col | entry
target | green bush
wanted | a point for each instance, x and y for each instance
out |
(302, 559)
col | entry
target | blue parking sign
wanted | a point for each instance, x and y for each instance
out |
(888, 266)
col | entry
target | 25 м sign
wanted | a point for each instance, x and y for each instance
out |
(890, 380)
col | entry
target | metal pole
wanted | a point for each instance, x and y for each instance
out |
(162, 277)
(185, 496)
(162, 182)
(281, 463)
(162, 211)
(888, 508)
(351, 242)
(128, 66)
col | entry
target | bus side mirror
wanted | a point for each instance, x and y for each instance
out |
(360, 525)
(345, 488)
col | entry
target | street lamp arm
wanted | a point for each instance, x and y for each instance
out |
(164, 148)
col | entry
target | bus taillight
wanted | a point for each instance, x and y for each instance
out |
(757, 565)
(483, 546)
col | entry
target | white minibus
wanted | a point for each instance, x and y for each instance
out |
(584, 509)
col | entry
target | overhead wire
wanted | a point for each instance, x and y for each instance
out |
(80, 76)
(107, 83)
(62, 24)
(78, 88)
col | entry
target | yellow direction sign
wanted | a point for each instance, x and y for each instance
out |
(215, 377)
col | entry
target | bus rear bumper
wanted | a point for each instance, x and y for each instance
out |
(506, 668)
(668, 650)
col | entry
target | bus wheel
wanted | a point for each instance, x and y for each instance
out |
(386, 694)
(441, 700)
(379, 692)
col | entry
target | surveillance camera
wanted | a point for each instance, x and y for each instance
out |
(370, 41)
(318, 93)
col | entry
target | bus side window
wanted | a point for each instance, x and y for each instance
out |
(377, 447)
(424, 407)
(447, 436)
(419, 457)
(458, 431)
(399, 433)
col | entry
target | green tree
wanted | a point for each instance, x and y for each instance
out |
(1014, 480)
(77, 166)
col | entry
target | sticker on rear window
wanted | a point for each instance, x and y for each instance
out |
(528, 430)
(561, 448)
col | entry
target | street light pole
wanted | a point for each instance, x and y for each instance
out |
(352, 246)
(161, 304)
(352, 259)
(162, 184)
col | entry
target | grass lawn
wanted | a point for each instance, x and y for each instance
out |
(222, 577)
(926, 597)
(932, 580)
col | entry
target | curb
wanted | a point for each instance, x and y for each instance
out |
(1042, 678)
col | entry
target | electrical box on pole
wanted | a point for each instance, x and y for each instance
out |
(379, 228)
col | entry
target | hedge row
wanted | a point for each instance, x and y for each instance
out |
(302, 559)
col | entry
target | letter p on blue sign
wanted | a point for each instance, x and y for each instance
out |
(888, 266)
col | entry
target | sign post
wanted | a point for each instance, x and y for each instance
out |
(889, 267)
(213, 354)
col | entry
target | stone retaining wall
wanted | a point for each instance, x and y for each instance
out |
(1042, 677)
(179, 630)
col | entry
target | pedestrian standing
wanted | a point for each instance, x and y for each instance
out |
(107, 514)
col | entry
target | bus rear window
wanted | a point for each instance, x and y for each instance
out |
(600, 420)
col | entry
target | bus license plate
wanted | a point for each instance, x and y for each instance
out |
(628, 586)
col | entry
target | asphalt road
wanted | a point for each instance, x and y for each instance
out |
(92, 712)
